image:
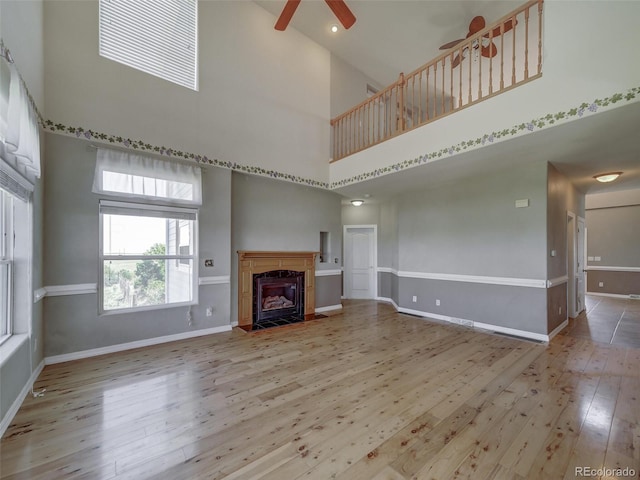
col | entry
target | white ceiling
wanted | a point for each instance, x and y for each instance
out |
(391, 36)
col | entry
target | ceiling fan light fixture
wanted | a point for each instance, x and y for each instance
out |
(357, 203)
(334, 28)
(607, 177)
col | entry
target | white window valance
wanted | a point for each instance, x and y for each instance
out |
(125, 174)
(19, 127)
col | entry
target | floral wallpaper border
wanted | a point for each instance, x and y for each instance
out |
(139, 145)
(523, 128)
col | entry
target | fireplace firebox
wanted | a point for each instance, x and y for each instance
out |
(278, 294)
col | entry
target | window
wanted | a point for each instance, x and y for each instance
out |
(124, 174)
(6, 265)
(148, 256)
(158, 37)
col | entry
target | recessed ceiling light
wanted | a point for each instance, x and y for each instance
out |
(357, 203)
(607, 177)
(334, 28)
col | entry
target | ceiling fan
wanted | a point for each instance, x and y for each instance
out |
(338, 7)
(487, 48)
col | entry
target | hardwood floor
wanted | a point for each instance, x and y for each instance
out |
(365, 394)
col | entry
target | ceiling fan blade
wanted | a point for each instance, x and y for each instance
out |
(342, 13)
(489, 51)
(477, 24)
(452, 44)
(456, 61)
(287, 12)
(508, 25)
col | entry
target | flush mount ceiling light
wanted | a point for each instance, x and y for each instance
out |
(607, 177)
(334, 28)
(357, 203)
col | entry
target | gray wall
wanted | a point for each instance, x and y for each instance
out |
(472, 227)
(562, 198)
(348, 86)
(274, 215)
(21, 26)
(612, 221)
(71, 257)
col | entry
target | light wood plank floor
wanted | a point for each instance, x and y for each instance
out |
(365, 394)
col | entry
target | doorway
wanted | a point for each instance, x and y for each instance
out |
(575, 265)
(360, 261)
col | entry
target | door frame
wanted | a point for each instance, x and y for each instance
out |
(572, 257)
(582, 262)
(345, 272)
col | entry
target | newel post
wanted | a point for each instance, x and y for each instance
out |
(400, 121)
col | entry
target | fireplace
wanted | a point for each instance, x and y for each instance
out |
(256, 266)
(278, 294)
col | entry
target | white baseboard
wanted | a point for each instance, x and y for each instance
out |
(484, 326)
(612, 295)
(558, 329)
(67, 357)
(15, 406)
(388, 300)
(329, 308)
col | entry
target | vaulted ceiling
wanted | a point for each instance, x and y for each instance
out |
(393, 36)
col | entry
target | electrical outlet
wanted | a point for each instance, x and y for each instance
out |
(35, 343)
(209, 311)
(437, 303)
(559, 310)
(414, 299)
(601, 284)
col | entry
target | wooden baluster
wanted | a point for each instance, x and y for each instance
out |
(480, 68)
(502, 60)
(491, 64)
(435, 90)
(470, 45)
(426, 113)
(513, 55)
(451, 93)
(443, 89)
(400, 99)
(420, 99)
(460, 75)
(540, 37)
(526, 43)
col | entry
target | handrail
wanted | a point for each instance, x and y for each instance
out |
(491, 61)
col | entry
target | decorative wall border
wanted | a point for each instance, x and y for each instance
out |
(141, 146)
(551, 119)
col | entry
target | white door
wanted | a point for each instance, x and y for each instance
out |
(580, 265)
(359, 257)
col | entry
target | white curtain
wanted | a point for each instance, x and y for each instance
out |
(19, 128)
(125, 174)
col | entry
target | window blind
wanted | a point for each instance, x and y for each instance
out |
(158, 37)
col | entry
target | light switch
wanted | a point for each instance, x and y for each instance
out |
(522, 203)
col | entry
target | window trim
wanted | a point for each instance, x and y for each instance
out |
(102, 257)
(7, 239)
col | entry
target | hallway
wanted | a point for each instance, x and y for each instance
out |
(610, 320)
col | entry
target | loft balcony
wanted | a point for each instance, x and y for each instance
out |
(491, 60)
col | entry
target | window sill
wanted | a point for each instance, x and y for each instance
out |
(10, 346)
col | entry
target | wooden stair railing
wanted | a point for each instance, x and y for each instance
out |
(439, 88)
